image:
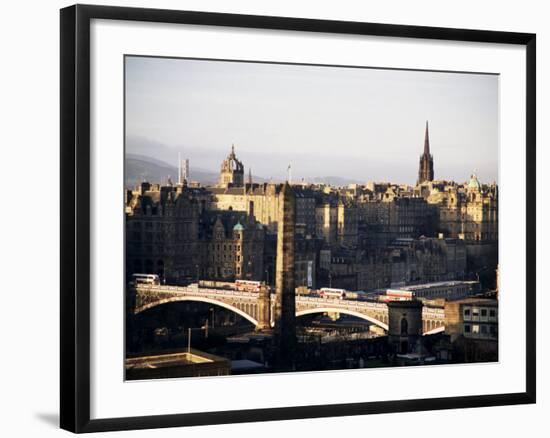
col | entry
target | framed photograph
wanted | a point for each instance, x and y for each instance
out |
(268, 218)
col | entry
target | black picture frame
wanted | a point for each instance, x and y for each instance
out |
(75, 217)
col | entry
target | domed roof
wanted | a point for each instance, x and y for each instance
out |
(238, 227)
(474, 183)
(232, 163)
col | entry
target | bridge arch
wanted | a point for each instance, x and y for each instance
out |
(200, 299)
(344, 311)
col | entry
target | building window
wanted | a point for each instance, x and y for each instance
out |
(466, 312)
(467, 328)
(475, 329)
(483, 312)
(492, 313)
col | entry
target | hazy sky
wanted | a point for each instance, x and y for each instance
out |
(361, 124)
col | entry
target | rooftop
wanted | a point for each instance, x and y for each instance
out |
(437, 284)
(477, 301)
(171, 360)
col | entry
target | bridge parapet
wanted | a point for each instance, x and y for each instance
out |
(343, 302)
(192, 289)
(434, 312)
(148, 296)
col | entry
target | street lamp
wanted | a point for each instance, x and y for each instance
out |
(189, 329)
(212, 312)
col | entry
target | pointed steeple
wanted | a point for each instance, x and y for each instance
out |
(426, 165)
(427, 141)
(250, 176)
(232, 149)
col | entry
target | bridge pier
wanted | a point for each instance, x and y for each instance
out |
(405, 326)
(264, 309)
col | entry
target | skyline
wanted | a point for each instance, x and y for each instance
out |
(373, 115)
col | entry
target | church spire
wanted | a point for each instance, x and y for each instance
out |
(427, 141)
(426, 165)
(250, 176)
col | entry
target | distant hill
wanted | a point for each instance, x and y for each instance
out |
(142, 168)
(333, 181)
(141, 165)
(142, 147)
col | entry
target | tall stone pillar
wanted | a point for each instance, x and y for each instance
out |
(285, 304)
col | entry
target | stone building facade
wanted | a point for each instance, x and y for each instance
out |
(468, 211)
(162, 233)
(336, 220)
(168, 232)
(472, 324)
(265, 198)
(474, 318)
(408, 261)
(395, 216)
(232, 246)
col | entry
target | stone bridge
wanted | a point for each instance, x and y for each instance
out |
(258, 307)
(253, 306)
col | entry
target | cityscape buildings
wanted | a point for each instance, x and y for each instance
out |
(427, 254)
